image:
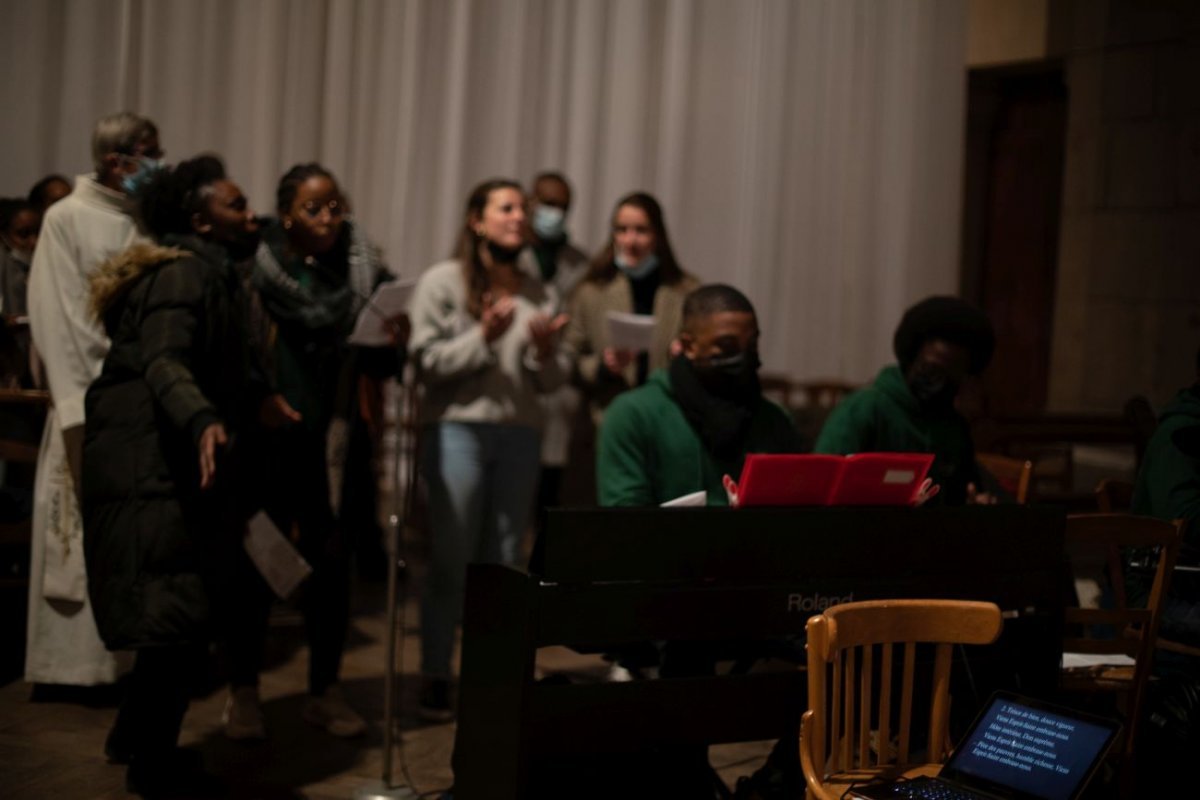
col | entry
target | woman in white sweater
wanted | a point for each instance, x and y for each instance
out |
(485, 345)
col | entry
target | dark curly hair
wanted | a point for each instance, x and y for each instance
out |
(166, 203)
(37, 195)
(949, 318)
(9, 208)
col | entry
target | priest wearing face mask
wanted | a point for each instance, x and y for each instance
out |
(910, 406)
(695, 419)
(91, 224)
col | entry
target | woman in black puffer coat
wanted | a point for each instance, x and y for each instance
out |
(169, 422)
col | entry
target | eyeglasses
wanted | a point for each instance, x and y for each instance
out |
(313, 209)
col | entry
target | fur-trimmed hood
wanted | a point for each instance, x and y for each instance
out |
(116, 276)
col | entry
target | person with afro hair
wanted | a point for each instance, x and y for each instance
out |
(910, 406)
(168, 474)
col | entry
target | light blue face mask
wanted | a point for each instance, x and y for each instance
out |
(639, 270)
(549, 223)
(133, 182)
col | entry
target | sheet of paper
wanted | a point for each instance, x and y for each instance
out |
(389, 300)
(280, 564)
(1077, 660)
(694, 499)
(630, 331)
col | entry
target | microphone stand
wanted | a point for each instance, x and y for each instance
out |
(388, 788)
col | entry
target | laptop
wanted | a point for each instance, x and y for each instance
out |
(821, 480)
(1017, 748)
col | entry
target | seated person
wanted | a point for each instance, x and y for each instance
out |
(690, 424)
(695, 420)
(1168, 487)
(910, 406)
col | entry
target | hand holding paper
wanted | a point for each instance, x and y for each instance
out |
(375, 324)
(282, 567)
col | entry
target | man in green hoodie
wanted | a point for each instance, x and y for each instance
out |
(694, 421)
(1168, 487)
(910, 406)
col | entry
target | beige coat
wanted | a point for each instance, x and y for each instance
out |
(586, 335)
(584, 339)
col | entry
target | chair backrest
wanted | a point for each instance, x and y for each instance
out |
(1114, 496)
(1011, 473)
(823, 394)
(777, 388)
(1089, 630)
(844, 645)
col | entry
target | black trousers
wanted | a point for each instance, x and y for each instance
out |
(156, 699)
(297, 501)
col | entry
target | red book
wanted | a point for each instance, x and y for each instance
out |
(863, 479)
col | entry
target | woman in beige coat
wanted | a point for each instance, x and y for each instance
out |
(635, 273)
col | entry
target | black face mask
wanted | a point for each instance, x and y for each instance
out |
(501, 254)
(733, 377)
(243, 245)
(932, 386)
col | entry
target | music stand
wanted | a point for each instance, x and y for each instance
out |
(388, 789)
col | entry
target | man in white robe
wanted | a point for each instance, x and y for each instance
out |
(78, 234)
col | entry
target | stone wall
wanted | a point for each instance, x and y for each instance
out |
(1127, 314)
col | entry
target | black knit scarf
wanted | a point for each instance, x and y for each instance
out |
(723, 423)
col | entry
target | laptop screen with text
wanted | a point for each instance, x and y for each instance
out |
(1032, 748)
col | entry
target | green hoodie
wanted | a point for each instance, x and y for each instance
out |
(649, 453)
(885, 417)
(1168, 485)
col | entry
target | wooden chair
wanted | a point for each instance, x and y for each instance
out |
(1012, 474)
(15, 451)
(1114, 496)
(823, 394)
(777, 388)
(837, 744)
(1136, 628)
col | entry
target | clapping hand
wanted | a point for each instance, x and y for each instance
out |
(497, 315)
(543, 329)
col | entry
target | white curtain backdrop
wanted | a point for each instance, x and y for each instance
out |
(807, 151)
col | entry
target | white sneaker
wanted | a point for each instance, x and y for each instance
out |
(330, 711)
(243, 718)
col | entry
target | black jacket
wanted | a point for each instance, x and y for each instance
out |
(180, 360)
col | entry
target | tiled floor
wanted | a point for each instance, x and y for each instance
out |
(54, 749)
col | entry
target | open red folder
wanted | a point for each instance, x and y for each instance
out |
(863, 479)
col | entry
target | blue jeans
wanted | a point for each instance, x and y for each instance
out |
(481, 479)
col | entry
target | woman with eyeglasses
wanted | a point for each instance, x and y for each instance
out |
(312, 275)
